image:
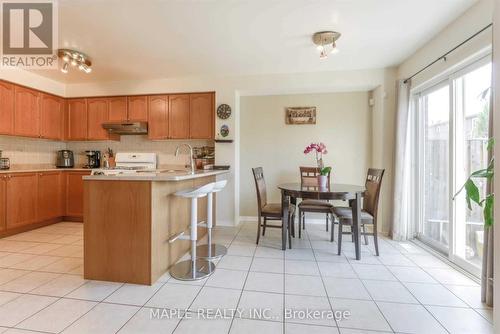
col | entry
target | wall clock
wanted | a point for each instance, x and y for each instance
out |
(224, 111)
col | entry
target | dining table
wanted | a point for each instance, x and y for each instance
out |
(290, 192)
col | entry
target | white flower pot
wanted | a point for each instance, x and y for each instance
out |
(322, 181)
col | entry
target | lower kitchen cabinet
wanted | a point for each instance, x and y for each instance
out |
(50, 196)
(74, 194)
(30, 199)
(22, 198)
(3, 198)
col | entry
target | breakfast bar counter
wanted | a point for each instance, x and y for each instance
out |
(129, 218)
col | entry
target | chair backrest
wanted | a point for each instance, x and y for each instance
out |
(260, 186)
(373, 184)
(309, 176)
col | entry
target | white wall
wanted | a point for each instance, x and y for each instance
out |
(383, 142)
(343, 123)
(473, 20)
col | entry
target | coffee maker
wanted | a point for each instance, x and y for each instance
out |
(93, 159)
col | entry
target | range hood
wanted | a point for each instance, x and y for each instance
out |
(126, 128)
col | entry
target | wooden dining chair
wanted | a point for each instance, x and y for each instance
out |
(269, 211)
(309, 178)
(369, 211)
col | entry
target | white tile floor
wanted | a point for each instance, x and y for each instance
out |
(405, 290)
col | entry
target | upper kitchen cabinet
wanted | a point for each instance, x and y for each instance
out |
(7, 108)
(51, 117)
(179, 116)
(202, 116)
(26, 112)
(158, 117)
(118, 109)
(77, 119)
(137, 108)
(97, 113)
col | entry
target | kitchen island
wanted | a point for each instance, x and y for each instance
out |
(129, 218)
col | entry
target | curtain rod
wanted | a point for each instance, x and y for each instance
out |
(443, 57)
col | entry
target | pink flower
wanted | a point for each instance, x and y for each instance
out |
(318, 147)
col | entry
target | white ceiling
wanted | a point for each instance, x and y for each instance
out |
(150, 39)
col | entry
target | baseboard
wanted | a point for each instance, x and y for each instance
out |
(29, 227)
(226, 223)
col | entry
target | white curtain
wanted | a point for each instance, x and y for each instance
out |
(402, 165)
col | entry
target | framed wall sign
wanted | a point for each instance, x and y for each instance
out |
(300, 115)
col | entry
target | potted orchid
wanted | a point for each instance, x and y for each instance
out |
(319, 149)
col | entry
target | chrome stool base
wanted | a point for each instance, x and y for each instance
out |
(184, 270)
(214, 252)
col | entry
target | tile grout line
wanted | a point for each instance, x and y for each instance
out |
(322, 280)
(201, 288)
(415, 297)
(244, 283)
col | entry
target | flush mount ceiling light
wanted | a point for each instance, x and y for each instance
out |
(75, 59)
(326, 42)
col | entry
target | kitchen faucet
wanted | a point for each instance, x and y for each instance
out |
(190, 155)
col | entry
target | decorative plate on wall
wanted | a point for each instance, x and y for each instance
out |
(224, 111)
(224, 130)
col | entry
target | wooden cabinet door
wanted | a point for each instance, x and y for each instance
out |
(117, 109)
(3, 199)
(178, 120)
(22, 198)
(49, 195)
(201, 118)
(77, 119)
(26, 112)
(74, 193)
(6, 108)
(97, 113)
(158, 117)
(137, 108)
(51, 117)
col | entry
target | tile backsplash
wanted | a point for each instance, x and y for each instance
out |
(27, 151)
(164, 149)
(30, 151)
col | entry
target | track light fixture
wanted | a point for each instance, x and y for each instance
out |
(76, 59)
(326, 42)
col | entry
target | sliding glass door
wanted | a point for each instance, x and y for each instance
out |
(452, 138)
(435, 113)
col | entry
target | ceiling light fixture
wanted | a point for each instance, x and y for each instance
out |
(76, 59)
(326, 42)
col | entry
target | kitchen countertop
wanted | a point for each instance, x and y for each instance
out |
(40, 168)
(156, 175)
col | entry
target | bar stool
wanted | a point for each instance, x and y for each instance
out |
(193, 269)
(213, 251)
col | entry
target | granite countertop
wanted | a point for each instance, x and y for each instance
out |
(39, 168)
(157, 175)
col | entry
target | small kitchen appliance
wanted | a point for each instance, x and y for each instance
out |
(4, 162)
(93, 159)
(65, 159)
(130, 163)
